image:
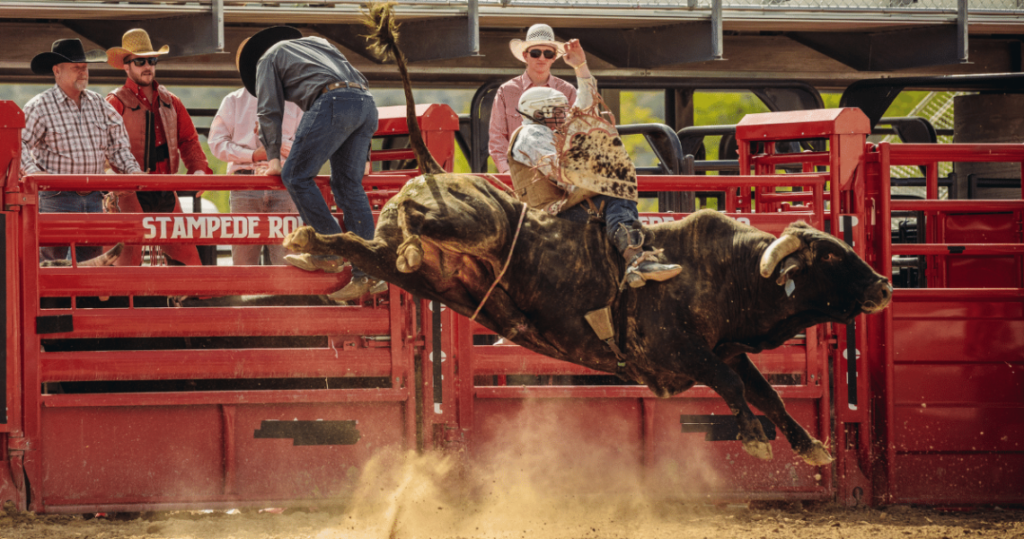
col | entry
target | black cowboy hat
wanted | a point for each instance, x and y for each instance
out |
(253, 48)
(65, 51)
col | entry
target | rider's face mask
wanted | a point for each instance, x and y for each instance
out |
(552, 117)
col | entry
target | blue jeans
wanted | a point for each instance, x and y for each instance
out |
(338, 127)
(259, 202)
(616, 211)
(70, 202)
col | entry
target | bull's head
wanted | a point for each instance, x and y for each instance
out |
(826, 271)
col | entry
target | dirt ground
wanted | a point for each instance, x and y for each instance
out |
(675, 521)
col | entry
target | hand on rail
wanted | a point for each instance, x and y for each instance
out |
(274, 167)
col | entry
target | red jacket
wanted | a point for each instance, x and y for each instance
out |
(171, 125)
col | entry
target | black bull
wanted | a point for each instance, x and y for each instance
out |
(447, 237)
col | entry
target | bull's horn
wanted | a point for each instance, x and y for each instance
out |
(106, 259)
(779, 249)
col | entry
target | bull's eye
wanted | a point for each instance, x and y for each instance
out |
(830, 257)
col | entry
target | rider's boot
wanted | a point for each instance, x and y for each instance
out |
(642, 264)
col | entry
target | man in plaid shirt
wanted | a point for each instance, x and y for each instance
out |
(71, 130)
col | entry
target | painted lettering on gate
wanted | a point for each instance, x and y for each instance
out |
(220, 227)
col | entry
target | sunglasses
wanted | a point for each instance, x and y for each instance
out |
(548, 53)
(139, 62)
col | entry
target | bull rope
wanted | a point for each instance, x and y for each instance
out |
(522, 217)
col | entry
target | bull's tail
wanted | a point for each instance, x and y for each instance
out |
(383, 40)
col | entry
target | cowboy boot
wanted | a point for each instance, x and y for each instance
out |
(642, 265)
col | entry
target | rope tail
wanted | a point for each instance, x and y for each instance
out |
(383, 40)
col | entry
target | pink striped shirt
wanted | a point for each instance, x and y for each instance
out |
(505, 118)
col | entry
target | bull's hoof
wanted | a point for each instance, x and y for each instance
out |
(817, 455)
(299, 239)
(761, 450)
(410, 255)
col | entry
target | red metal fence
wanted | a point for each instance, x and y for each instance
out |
(221, 413)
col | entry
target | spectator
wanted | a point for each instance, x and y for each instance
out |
(278, 65)
(160, 130)
(71, 130)
(539, 51)
(234, 139)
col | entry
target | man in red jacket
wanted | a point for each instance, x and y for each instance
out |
(161, 132)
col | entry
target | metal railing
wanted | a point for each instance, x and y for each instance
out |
(886, 6)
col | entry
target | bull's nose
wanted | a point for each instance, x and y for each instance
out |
(878, 297)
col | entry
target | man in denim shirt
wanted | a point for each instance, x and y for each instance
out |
(340, 117)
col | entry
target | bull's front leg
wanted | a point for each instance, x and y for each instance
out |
(706, 368)
(762, 395)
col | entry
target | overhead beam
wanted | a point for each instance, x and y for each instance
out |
(891, 50)
(651, 47)
(187, 35)
(430, 39)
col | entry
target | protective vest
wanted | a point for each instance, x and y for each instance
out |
(536, 190)
(142, 129)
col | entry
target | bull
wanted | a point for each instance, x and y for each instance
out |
(531, 277)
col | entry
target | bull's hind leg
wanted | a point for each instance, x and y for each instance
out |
(372, 256)
(762, 395)
(706, 368)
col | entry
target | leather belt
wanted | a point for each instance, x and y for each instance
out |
(343, 84)
(244, 171)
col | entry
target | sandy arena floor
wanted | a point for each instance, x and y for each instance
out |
(675, 521)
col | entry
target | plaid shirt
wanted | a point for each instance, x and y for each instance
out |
(61, 138)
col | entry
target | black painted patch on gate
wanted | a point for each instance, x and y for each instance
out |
(721, 428)
(310, 432)
(61, 323)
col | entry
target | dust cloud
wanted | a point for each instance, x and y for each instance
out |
(536, 474)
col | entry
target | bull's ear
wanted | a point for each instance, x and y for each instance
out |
(790, 265)
(778, 250)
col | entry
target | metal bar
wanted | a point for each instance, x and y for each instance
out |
(851, 333)
(214, 364)
(952, 249)
(217, 322)
(195, 398)
(191, 280)
(962, 46)
(217, 14)
(716, 29)
(975, 295)
(437, 352)
(981, 206)
(473, 12)
(622, 392)
(921, 154)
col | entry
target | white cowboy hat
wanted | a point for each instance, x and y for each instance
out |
(537, 35)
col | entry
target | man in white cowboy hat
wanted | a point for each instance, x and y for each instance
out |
(277, 65)
(538, 51)
(535, 160)
(160, 130)
(71, 130)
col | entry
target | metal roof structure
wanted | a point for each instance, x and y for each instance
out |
(655, 43)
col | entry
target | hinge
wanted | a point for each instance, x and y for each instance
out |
(20, 199)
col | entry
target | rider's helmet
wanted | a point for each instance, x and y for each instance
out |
(541, 103)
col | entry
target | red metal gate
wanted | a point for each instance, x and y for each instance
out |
(897, 397)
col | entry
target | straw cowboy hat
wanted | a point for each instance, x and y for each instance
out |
(537, 35)
(133, 42)
(254, 47)
(62, 51)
